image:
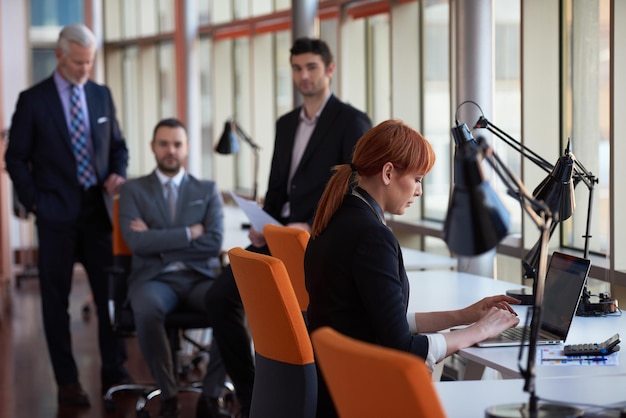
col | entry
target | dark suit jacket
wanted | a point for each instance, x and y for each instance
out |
(40, 159)
(338, 129)
(356, 280)
(199, 201)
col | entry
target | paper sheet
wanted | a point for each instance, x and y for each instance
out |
(550, 356)
(257, 216)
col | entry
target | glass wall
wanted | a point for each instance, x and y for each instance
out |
(586, 116)
(393, 61)
(437, 118)
(47, 17)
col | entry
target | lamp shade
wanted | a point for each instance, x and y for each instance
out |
(228, 143)
(557, 189)
(476, 220)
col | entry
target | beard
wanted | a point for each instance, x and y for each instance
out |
(168, 168)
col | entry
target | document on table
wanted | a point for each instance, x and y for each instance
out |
(555, 357)
(257, 216)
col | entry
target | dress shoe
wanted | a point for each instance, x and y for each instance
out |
(72, 394)
(169, 408)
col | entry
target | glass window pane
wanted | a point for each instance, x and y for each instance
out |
(507, 97)
(204, 12)
(167, 79)
(243, 116)
(44, 63)
(262, 7)
(167, 16)
(282, 4)
(379, 68)
(206, 110)
(241, 9)
(55, 12)
(436, 109)
(112, 20)
(586, 117)
(221, 11)
(147, 17)
(329, 32)
(284, 84)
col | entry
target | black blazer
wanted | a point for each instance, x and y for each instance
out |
(338, 129)
(356, 280)
(40, 159)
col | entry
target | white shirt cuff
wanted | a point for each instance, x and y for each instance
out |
(437, 348)
(410, 318)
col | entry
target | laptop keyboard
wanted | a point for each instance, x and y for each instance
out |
(516, 334)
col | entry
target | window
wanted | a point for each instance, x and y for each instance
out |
(586, 116)
(437, 120)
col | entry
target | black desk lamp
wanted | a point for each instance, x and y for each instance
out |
(557, 190)
(228, 144)
(474, 195)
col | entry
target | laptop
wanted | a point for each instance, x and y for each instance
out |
(565, 280)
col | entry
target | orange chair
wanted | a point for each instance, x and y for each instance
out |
(289, 245)
(285, 382)
(367, 380)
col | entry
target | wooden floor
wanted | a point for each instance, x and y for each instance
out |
(27, 386)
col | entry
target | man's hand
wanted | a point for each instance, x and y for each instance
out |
(256, 237)
(113, 183)
(138, 225)
(196, 230)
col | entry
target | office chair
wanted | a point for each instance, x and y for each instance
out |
(289, 245)
(122, 320)
(367, 380)
(285, 382)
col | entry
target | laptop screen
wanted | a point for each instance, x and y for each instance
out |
(564, 283)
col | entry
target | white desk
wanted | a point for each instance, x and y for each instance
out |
(443, 290)
(471, 398)
(234, 234)
(420, 260)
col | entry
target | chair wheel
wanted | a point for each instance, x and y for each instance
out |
(109, 405)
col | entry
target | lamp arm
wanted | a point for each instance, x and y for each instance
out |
(246, 138)
(533, 207)
(589, 180)
(516, 145)
(542, 217)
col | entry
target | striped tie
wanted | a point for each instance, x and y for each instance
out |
(78, 133)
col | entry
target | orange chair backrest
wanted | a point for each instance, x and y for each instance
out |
(276, 323)
(367, 380)
(119, 245)
(289, 245)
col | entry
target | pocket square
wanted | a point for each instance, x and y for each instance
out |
(102, 119)
(196, 202)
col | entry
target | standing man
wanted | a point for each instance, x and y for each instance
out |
(310, 140)
(67, 158)
(174, 225)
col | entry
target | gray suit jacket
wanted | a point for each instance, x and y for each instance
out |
(165, 242)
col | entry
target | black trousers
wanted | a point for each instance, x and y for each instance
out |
(231, 332)
(87, 240)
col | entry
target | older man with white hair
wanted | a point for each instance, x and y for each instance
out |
(67, 158)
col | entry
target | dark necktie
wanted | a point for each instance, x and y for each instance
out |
(171, 197)
(78, 132)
